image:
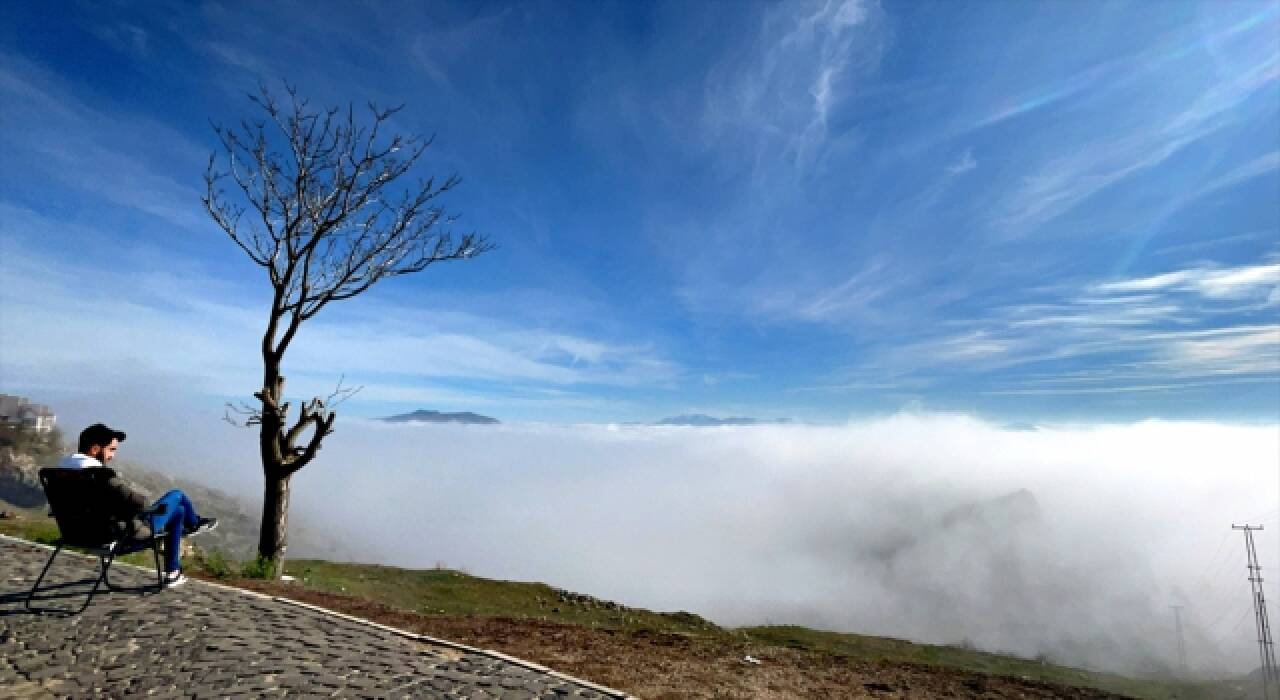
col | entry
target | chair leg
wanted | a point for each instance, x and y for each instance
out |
(155, 551)
(32, 594)
(105, 561)
(102, 576)
(109, 559)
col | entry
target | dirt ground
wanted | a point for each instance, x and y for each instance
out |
(666, 667)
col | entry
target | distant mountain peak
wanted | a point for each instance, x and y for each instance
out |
(702, 420)
(425, 416)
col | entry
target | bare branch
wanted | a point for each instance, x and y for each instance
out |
(249, 415)
(341, 393)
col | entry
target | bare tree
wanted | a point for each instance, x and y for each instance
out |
(320, 200)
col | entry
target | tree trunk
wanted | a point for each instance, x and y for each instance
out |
(273, 530)
(272, 536)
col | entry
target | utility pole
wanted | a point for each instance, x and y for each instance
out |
(1182, 647)
(1266, 652)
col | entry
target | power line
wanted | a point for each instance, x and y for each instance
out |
(1269, 515)
(1222, 637)
(1266, 651)
(1212, 578)
(1221, 580)
(1215, 562)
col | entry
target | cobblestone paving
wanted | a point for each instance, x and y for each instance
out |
(200, 641)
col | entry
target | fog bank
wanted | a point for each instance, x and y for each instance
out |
(1066, 541)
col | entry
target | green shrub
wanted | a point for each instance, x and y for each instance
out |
(257, 568)
(44, 448)
(214, 563)
(44, 533)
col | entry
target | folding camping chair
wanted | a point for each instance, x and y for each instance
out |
(90, 517)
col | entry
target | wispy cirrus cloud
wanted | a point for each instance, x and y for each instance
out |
(1153, 135)
(1260, 282)
(963, 164)
(1125, 70)
(1188, 327)
(205, 330)
(122, 159)
(235, 56)
(124, 36)
(1113, 385)
(1224, 351)
(794, 78)
(852, 297)
(1262, 165)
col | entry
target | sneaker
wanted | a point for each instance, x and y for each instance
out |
(174, 578)
(205, 525)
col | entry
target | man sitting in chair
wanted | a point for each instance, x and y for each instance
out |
(98, 445)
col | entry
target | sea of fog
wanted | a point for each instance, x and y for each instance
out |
(1067, 541)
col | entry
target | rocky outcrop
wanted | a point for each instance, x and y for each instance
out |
(20, 480)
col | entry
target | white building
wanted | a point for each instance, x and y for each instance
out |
(17, 410)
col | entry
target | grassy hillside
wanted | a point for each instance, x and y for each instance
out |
(880, 648)
(445, 592)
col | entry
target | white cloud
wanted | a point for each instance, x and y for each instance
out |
(902, 526)
(1248, 281)
(1155, 282)
(1241, 282)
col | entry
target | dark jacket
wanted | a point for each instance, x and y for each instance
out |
(129, 503)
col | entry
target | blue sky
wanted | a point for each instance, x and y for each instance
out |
(1027, 211)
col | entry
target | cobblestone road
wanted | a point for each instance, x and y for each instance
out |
(201, 640)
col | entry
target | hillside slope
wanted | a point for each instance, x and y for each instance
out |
(681, 655)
